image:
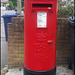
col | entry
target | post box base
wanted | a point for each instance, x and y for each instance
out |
(30, 72)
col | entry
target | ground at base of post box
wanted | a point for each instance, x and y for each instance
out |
(61, 70)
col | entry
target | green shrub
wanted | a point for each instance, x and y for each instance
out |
(10, 4)
(14, 3)
(65, 10)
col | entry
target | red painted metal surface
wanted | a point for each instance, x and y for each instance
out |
(40, 42)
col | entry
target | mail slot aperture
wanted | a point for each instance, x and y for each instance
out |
(41, 5)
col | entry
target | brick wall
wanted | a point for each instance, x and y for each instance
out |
(63, 52)
(16, 42)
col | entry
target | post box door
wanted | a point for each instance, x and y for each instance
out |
(40, 38)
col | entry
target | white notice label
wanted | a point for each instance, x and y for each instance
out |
(42, 19)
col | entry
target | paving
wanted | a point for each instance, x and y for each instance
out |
(4, 52)
(61, 70)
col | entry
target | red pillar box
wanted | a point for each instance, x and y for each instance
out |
(40, 37)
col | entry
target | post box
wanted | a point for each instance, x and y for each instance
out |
(40, 31)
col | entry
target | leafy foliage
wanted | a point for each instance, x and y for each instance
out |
(14, 3)
(65, 10)
(10, 4)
